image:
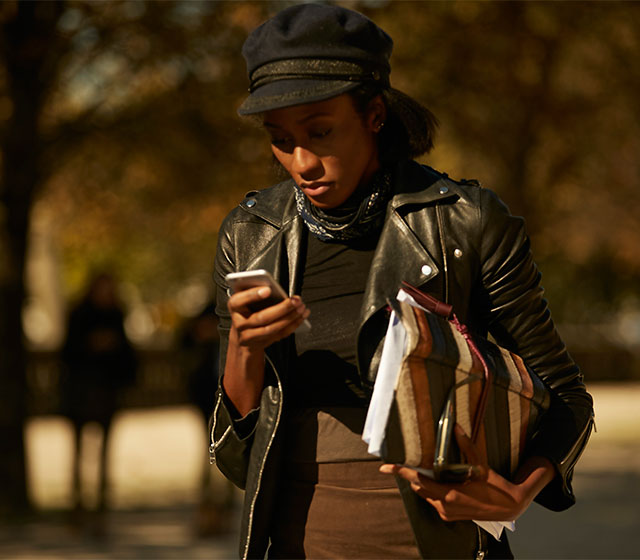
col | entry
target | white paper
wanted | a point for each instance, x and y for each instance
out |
(382, 399)
(384, 387)
(495, 528)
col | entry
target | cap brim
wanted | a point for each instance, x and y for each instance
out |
(285, 93)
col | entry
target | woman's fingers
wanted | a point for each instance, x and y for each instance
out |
(241, 302)
(279, 315)
(490, 498)
(244, 303)
(423, 485)
(265, 326)
(267, 323)
(478, 468)
(269, 328)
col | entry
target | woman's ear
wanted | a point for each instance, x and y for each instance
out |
(376, 114)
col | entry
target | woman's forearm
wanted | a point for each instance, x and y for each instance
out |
(532, 477)
(251, 332)
(243, 378)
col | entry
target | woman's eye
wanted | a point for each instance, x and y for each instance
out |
(321, 133)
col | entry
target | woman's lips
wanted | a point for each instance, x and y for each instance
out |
(316, 188)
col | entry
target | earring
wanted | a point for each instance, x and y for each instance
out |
(379, 127)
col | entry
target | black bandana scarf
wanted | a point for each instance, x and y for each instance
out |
(350, 221)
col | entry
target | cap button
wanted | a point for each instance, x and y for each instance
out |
(457, 253)
(250, 203)
(426, 270)
(444, 190)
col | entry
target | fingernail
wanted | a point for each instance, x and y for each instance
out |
(386, 469)
(264, 291)
(296, 300)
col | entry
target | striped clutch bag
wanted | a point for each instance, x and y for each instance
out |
(447, 377)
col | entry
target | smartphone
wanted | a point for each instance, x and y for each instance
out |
(246, 279)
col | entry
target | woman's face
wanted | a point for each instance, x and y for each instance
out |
(327, 147)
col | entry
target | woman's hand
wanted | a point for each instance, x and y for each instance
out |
(256, 330)
(251, 332)
(487, 495)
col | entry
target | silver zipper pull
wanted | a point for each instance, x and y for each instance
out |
(480, 555)
(212, 454)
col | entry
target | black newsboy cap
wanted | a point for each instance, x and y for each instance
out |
(311, 52)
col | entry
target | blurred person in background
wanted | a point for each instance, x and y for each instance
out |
(100, 363)
(356, 217)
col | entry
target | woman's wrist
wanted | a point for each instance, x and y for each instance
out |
(243, 378)
(531, 478)
(243, 354)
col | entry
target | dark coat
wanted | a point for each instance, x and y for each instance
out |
(99, 363)
(456, 241)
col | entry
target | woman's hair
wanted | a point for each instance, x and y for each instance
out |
(409, 129)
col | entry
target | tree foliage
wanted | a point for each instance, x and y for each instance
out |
(116, 131)
(539, 100)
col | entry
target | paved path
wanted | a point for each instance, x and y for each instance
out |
(147, 523)
(605, 522)
(165, 534)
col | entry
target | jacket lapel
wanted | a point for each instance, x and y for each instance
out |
(401, 255)
(281, 255)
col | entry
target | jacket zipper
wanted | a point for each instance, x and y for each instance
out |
(481, 553)
(576, 451)
(213, 447)
(264, 460)
(443, 248)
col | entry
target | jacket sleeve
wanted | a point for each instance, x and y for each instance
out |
(518, 317)
(231, 434)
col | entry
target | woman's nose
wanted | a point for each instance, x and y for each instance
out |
(305, 162)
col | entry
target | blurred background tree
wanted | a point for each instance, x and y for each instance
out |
(117, 128)
(540, 101)
(121, 149)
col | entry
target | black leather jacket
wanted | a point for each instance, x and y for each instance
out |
(456, 241)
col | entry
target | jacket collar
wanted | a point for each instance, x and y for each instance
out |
(400, 255)
(276, 204)
(421, 184)
(415, 184)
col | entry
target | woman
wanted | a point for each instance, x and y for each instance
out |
(357, 217)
